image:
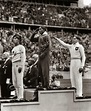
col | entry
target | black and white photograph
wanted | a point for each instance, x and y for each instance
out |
(45, 55)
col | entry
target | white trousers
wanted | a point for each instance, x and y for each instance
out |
(75, 76)
(17, 78)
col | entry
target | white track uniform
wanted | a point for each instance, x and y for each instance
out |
(77, 61)
(18, 60)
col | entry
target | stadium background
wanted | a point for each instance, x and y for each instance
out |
(61, 17)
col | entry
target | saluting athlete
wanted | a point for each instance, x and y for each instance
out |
(77, 63)
(18, 65)
(42, 37)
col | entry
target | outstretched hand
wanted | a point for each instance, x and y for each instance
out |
(54, 36)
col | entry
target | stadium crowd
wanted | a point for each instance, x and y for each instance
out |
(45, 14)
(59, 56)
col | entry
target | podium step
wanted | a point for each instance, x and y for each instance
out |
(62, 99)
(29, 94)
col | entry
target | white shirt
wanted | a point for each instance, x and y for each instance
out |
(76, 51)
(18, 54)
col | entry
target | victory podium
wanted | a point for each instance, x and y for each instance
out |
(62, 99)
(53, 100)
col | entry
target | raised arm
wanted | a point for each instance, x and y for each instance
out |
(34, 37)
(62, 42)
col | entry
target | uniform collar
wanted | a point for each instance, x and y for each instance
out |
(45, 33)
(76, 44)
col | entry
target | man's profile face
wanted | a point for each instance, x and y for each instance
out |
(15, 40)
(31, 61)
(41, 30)
(74, 40)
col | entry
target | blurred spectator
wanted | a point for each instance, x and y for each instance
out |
(6, 77)
(45, 14)
(1, 48)
(31, 77)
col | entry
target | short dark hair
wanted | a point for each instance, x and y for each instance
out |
(18, 36)
(77, 37)
(43, 27)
